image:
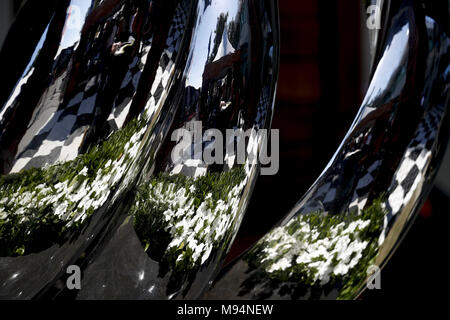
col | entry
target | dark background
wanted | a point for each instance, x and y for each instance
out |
(323, 77)
(324, 74)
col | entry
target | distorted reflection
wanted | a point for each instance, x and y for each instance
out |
(66, 171)
(87, 173)
(359, 208)
(186, 214)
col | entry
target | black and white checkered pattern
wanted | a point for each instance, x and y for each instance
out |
(128, 88)
(413, 167)
(55, 133)
(410, 173)
(177, 28)
(60, 134)
(165, 69)
(168, 58)
(263, 107)
(362, 190)
(191, 162)
(323, 197)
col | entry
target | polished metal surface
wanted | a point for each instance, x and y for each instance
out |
(356, 213)
(95, 91)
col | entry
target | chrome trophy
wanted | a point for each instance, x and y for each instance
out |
(334, 242)
(88, 128)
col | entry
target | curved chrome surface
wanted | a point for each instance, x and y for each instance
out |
(360, 207)
(86, 122)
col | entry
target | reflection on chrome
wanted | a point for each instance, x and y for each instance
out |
(87, 177)
(357, 211)
(85, 143)
(320, 251)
